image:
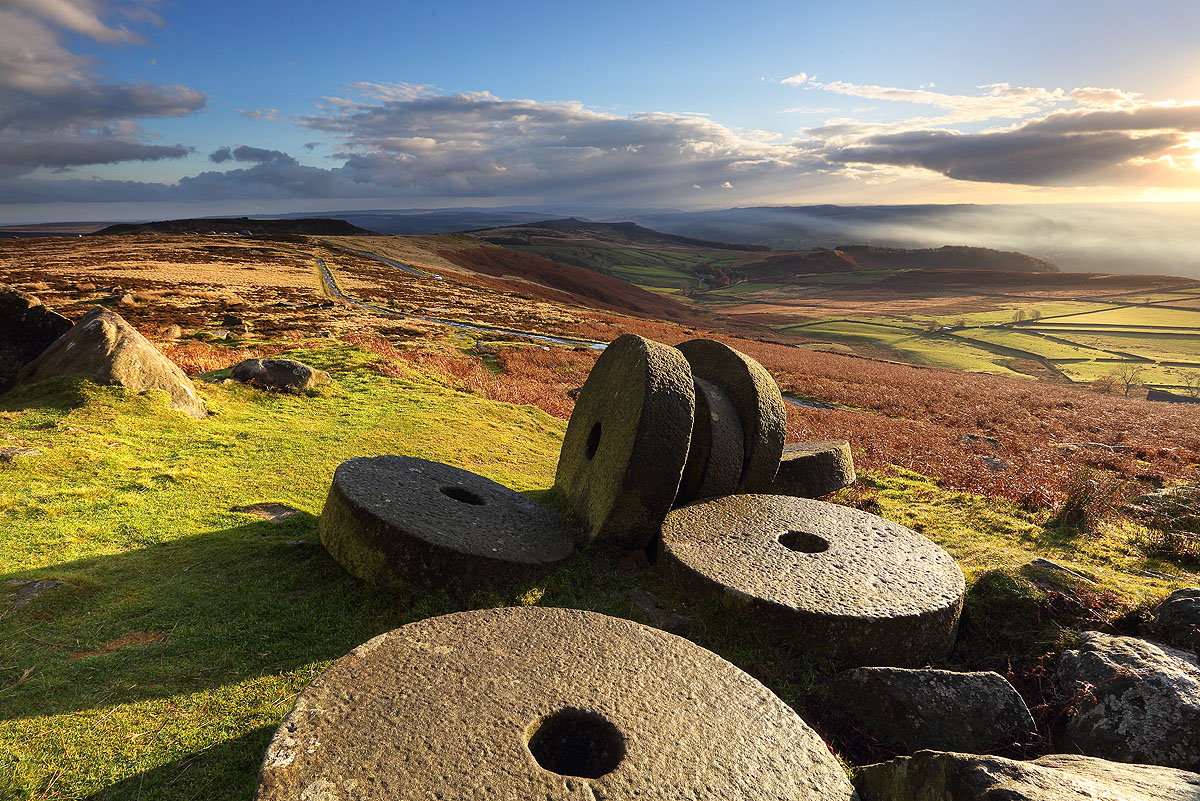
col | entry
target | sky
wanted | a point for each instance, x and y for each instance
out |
(137, 109)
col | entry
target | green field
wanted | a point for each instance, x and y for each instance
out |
(1134, 316)
(1029, 341)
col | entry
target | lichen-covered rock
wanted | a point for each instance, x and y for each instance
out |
(1177, 620)
(27, 328)
(103, 348)
(910, 710)
(716, 455)
(939, 776)
(1142, 701)
(532, 703)
(813, 469)
(281, 375)
(830, 577)
(627, 441)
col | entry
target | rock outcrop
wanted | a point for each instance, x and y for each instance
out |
(280, 375)
(1177, 620)
(27, 328)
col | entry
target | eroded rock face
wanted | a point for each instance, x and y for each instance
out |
(813, 469)
(103, 348)
(910, 710)
(1177, 620)
(939, 776)
(551, 704)
(27, 328)
(1147, 701)
(281, 375)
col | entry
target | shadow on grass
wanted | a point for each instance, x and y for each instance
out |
(228, 769)
(55, 394)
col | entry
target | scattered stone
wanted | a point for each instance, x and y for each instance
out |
(977, 439)
(272, 512)
(1171, 508)
(1139, 701)
(171, 332)
(911, 710)
(396, 520)
(871, 591)
(235, 323)
(717, 452)
(29, 590)
(937, 776)
(659, 617)
(757, 399)
(9, 455)
(282, 375)
(994, 464)
(627, 441)
(27, 328)
(103, 348)
(535, 703)
(1177, 620)
(813, 469)
(127, 300)
(219, 334)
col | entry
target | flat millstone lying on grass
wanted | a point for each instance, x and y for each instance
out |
(396, 520)
(532, 703)
(757, 399)
(869, 590)
(625, 446)
(813, 469)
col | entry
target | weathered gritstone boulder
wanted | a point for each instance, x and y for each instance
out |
(813, 469)
(103, 348)
(396, 520)
(1147, 701)
(627, 441)
(910, 710)
(27, 328)
(872, 591)
(757, 399)
(529, 703)
(1177, 620)
(282, 375)
(938, 776)
(716, 455)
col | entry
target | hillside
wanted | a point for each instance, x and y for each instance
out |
(306, 226)
(619, 233)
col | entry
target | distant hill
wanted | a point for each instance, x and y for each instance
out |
(556, 232)
(310, 226)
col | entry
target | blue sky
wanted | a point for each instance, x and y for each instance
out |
(113, 108)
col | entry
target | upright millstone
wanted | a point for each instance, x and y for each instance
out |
(716, 455)
(532, 703)
(757, 399)
(627, 441)
(870, 591)
(396, 520)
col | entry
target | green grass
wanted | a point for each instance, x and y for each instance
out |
(1151, 344)
(1139, 316)
(1022, 340)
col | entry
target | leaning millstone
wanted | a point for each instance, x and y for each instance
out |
(1177, 620)
(939, 776)
(757, 399)
(396, 520)
(1139, 701)
(715, 457)
(27, 328)
(869, 590)
(813, 469)
(103, 348)
(530, 703)
(910, 710)
(282, 375)
(627, 441)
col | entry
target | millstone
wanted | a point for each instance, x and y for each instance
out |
(757, 399)
(871, 591)
(627, 441)
(714, 462)
(530, 703)
(813, 469)
(394, 520)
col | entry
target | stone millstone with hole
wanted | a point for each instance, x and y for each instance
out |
(866, 589)
(813, 469)
(716, 455)
(757, 399)
(103, 348)
(531, 703)
(627, 441)
(397, 521)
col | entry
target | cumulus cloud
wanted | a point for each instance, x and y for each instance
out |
(51, 98)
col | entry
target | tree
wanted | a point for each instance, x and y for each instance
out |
(1018, 315)
(1035, 314)
(1129, 375)
(932, 325)
(1191, 384)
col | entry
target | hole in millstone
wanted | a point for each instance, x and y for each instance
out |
(462, 494)
(577, 742)
(803, 542)
(593, 441)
